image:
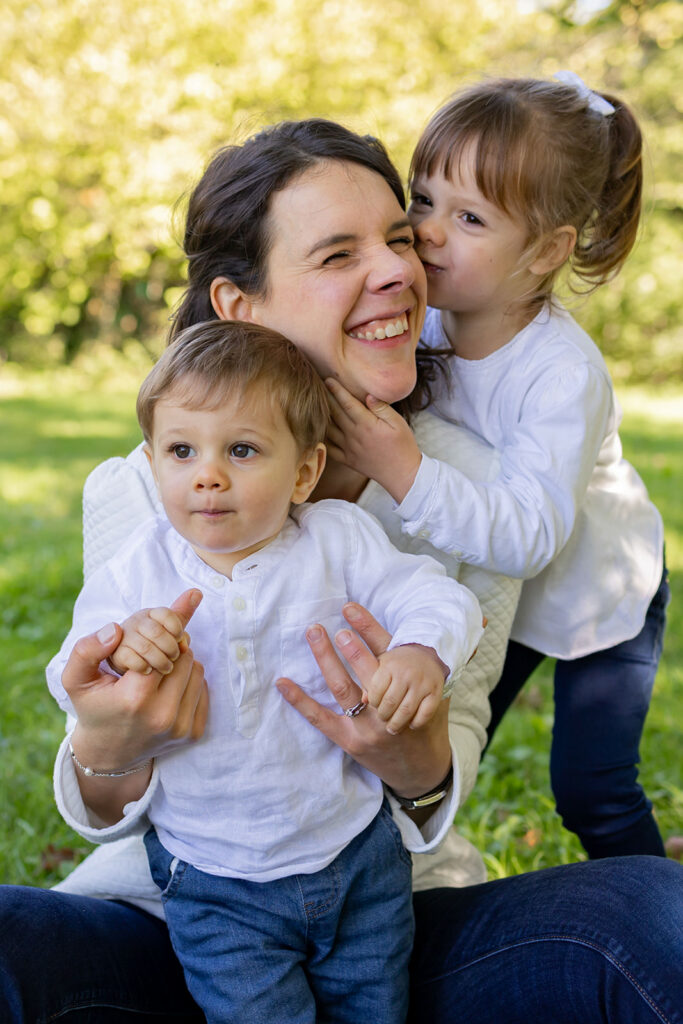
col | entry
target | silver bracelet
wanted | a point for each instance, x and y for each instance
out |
(108, 775)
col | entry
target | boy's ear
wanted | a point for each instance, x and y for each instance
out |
(228, 301)
(310, 468)
(554, 250)
(147, 449)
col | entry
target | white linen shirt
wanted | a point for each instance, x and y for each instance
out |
(263, 794)
(565, 511)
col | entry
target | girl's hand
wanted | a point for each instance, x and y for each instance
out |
(372, 439)
(411, 763)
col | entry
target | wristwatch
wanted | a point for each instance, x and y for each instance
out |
(427, 799)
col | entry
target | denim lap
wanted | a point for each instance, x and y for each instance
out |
(328, 947)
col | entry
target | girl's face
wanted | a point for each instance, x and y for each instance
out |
(471, 249)
(344, 280)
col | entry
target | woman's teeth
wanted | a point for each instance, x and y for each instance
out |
(390, 330)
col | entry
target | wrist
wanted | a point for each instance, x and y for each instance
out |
(434, 795)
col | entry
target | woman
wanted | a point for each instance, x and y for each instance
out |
(303, 229)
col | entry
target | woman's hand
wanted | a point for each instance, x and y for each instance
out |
(128, 720)
(372, 439)
(413, 762)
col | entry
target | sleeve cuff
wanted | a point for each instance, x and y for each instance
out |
(428, 838)
(80, 818)
(414, 507)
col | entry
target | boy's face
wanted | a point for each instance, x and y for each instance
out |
(227, 476)
(470, 249)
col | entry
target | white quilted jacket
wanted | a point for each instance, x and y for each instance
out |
(120, 493)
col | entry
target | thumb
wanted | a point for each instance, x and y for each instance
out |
(83, 666)
(186, 605)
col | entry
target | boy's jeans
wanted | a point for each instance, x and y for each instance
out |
(332, 946)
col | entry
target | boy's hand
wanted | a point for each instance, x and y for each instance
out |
(372, 439)
(153, 638)
(407, 687)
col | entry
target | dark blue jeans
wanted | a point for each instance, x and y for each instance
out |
(601, 702)
(331, 947)
(593, 943)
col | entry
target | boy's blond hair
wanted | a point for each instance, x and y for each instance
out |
(218, 359)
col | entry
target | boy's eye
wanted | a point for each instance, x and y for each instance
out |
(182, 451)
(471, 218)
(243, 451)
(418, 199)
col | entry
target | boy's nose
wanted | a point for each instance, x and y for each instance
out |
(430, 230)
(211, 477)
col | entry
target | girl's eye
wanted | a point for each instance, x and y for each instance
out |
(402, 243)
(471, 218)
(243, 451)
(182, 451)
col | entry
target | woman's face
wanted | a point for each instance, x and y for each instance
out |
(343, 279)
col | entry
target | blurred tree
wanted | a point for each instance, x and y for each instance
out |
(106, 118)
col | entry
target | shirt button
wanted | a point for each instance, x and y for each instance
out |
(218, 582)
(241, 653)
(425, 534)
(239, 604)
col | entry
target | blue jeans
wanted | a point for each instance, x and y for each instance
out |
(593, 943)
(332, 946)
(601, 702)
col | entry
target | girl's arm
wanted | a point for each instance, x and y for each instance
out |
(516, 522)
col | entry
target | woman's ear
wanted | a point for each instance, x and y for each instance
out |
(228, 301)
(554, 250)
(310, 468)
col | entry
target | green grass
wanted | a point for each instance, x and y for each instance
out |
(57, 426)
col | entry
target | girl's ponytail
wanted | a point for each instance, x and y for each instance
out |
(609, 235)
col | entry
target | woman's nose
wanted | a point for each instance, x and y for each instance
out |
(391, 271)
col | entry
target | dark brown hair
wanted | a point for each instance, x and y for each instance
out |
(542, 153)
(217, 359)
(227, 231)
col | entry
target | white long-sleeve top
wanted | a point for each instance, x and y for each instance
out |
(565, 511)
(120, 494)
(257, 752)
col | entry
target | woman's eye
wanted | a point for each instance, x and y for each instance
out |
(182, 451)
(402, 243)
(336, 257)
(243, 451)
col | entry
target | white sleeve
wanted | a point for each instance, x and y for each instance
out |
(417, 601)
(518, 522)
(118, 495)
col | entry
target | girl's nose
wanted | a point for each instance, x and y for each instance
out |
(429, 230)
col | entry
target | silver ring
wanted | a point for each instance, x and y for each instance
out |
(356, 709)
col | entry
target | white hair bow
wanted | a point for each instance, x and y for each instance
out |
(594, 100)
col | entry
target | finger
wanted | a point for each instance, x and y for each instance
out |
(426, 711)
(378, 686)
(194, 705)
(383, 411)
(340, 684)
(126, 659)
(397, 696)
(169, 621)
(323, 719)
(83, 666)
(343, 403)
(186, 605)
(367, 626)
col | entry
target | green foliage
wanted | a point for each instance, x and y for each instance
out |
(64, 422)
(108, 119)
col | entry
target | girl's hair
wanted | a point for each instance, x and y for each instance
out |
(214, 361)
(541, 152)
(227, 232)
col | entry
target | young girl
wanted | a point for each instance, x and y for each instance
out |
(511, 181)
